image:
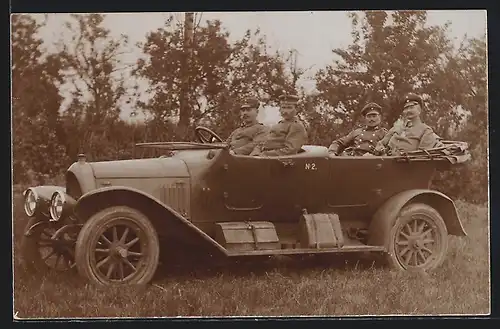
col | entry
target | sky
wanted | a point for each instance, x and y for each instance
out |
(312, 34)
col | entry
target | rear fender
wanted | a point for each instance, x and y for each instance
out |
(386, 215)
(163, 217)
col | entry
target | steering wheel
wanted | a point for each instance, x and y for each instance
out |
(211, 138)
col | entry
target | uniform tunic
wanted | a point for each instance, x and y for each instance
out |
(284, 138)
(362, 140)
(411, 137)
(244, 139)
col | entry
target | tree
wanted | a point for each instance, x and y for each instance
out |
(467, 85)
(37, 136)
(221, 74)
(97, 80)
(391, 54)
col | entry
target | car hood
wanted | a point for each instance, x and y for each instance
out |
(140, 168)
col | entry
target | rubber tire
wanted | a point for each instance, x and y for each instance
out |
(404, 216)
(96, 223)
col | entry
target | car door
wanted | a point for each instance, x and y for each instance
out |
(354, 184)
(295, 185)
(243, 184)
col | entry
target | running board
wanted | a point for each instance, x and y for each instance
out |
(270, 252)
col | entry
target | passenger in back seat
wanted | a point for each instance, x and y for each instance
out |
(363, 140)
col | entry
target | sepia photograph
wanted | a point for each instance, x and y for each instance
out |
(250, 164)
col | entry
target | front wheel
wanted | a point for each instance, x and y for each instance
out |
(418, 239)
(40, 253)
(117, 245)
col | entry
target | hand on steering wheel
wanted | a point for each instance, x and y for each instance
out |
(211, 138)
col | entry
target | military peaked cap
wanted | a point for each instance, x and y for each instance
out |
(371, 106)
(292, 99)
(250, 103)
(412, 99)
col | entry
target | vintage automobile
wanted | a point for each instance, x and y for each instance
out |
(110, 219)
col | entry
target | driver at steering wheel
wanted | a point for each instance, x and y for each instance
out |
(362, 141)
(244, 139)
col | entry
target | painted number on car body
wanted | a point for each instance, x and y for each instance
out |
(310, 166)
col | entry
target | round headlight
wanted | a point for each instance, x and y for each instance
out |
(30, 202)
(57, 205)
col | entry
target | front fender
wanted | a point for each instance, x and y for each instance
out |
(385, 217)
(156, 211)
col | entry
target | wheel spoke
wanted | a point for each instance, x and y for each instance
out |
(421, 254)
(124, 236)
(102, 250)
(133, 253)
(426, 232)
(406, 236)
(402, 243)
(104, 261)
(131, 242)
(415, 225)
(427, 249)
(59, 257)
(111, 268)
(408, 257)
(408, 229)
(115, 234)
(120, 268)
(106, 239)
(404, 251)
(427, 241)
(49, 254)
(421, 227)
(127, 262)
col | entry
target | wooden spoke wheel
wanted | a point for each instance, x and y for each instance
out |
(418, 239)
(116, 246)
(40, 253)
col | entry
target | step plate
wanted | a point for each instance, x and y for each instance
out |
(359, 248)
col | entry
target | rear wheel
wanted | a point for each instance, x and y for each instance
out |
(418, 239)
(118, 245)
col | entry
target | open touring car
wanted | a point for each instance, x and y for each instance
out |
(110, 219)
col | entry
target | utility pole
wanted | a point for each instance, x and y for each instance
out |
(185, 110)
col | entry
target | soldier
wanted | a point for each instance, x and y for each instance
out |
(412, 134)
(288, 135)
(362, 140)
(243, 140)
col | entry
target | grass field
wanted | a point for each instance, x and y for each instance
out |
(271, 287)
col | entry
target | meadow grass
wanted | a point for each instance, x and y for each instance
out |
(331, 286)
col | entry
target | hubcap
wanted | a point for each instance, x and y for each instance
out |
(119, 252)
(417, 242)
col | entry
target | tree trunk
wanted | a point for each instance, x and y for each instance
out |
(185, 110)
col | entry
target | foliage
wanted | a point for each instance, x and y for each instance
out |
(37, 148)
(221, 74)
(96, 80)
